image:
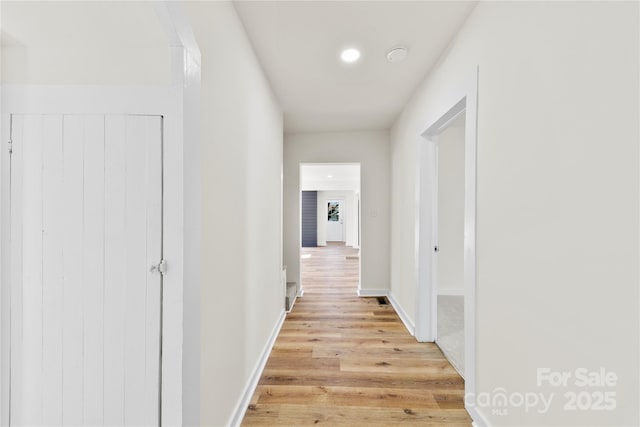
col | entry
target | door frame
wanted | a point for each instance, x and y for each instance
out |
(435, 234)
(356, 200)
(139, 100)
(299, 188)
(95, 100)
(426, 225)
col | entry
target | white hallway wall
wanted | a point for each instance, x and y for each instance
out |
(371, 150)
(241, 137)
(112, 68)
(123, 65)
(557, 220)
(77, 56)
(241, 167)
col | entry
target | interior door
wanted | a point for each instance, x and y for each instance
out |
(86, 225)
(335, 221)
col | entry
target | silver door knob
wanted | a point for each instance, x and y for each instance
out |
(161, 267)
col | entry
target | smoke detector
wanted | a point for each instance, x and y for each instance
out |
(397, 54)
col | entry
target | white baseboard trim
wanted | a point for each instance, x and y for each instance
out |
(373, 292)
(250, 387)
(455, 292)
(408, 323)
(479, 420)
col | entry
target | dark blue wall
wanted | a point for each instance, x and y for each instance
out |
(309, 219)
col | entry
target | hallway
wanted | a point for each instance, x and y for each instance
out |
(345, 360)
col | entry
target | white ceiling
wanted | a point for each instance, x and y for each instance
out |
(298, 43)
(81, 23)
(338, 172)
(330, 176)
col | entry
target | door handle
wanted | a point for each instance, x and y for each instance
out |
(161, 267)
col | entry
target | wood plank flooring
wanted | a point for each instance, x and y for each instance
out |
(345, 360)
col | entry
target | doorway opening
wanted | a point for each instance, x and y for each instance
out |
(330, 223)
(446, 237)
(448, 266)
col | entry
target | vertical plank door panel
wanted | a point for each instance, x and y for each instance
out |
(115, 261)
(86, 225)
(32, 270)
(93, 269)
(73, 306)
(136, 270)
(52, 270)
(153, 154)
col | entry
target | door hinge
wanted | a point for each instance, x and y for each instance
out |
(10, 146)
(160, 268)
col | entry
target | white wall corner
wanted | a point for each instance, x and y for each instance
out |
(176, 24)
(408, 323)
(250, 388)
(373, 292)
(184, 401)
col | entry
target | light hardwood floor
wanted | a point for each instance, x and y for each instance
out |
(345, 360)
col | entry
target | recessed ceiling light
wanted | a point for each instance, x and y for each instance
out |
(350, 55)
(397, 54)
(329, 176)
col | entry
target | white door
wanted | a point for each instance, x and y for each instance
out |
(86, 225)
(335, 221)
